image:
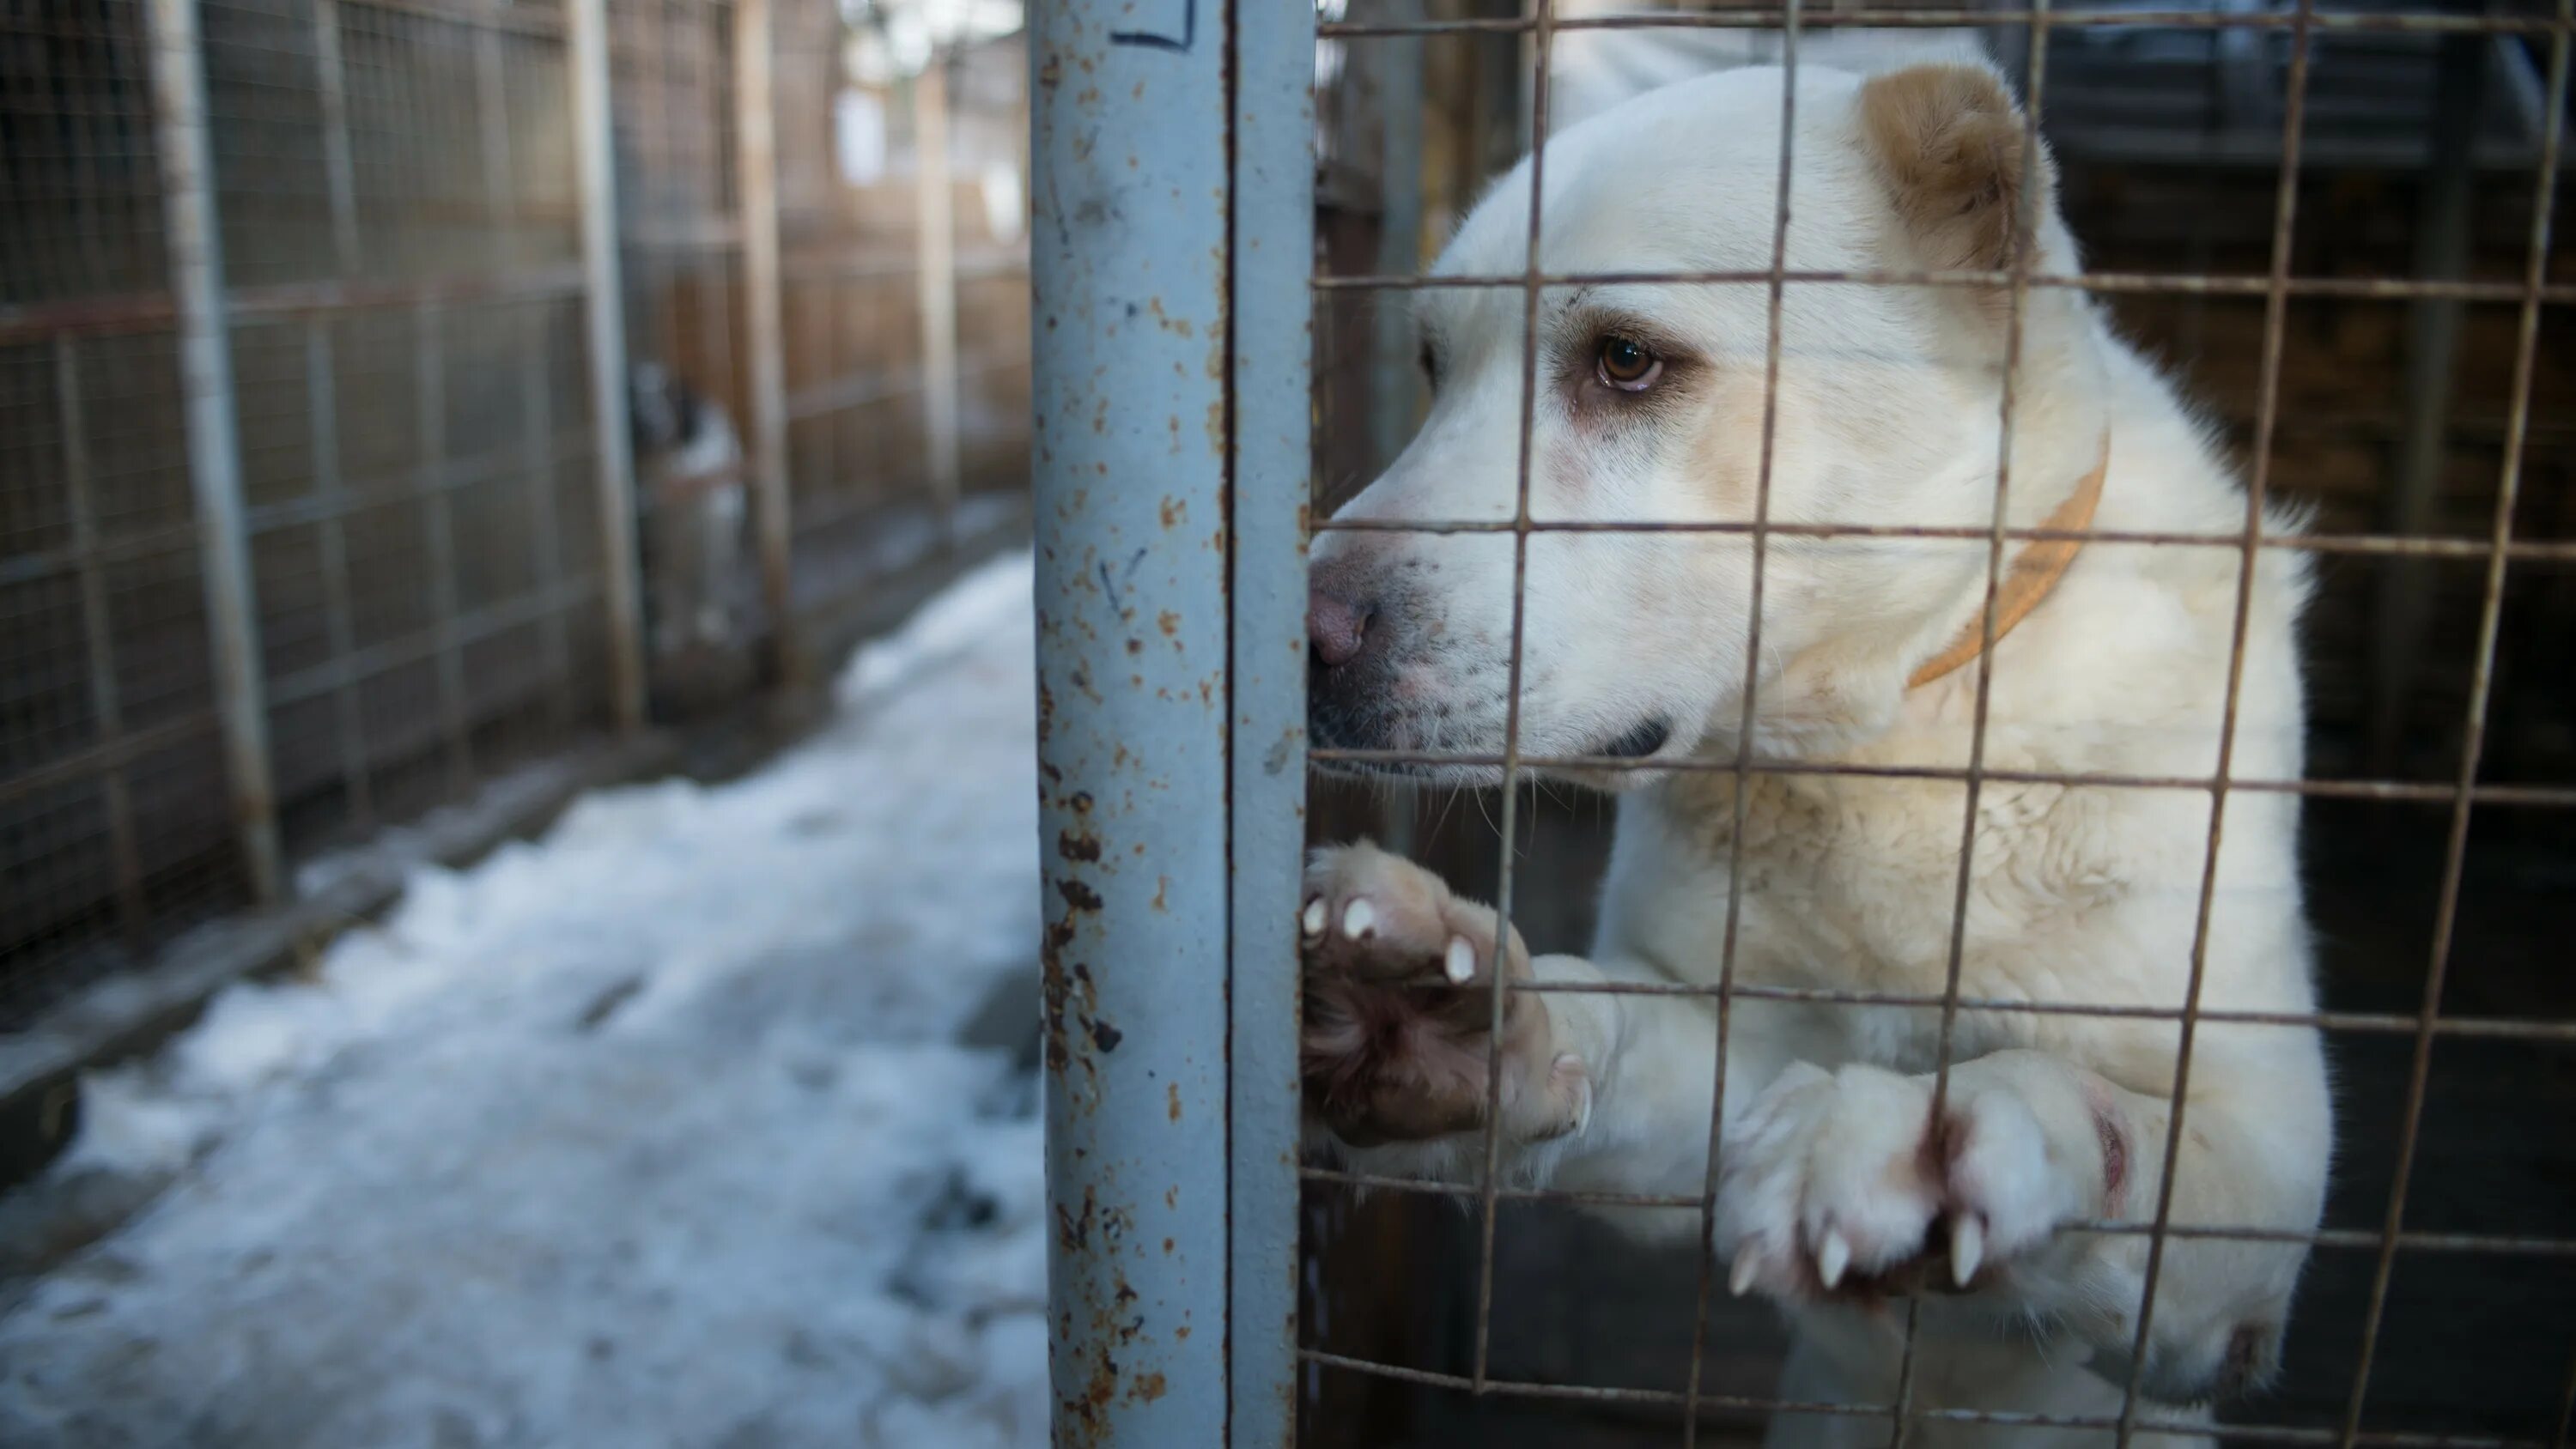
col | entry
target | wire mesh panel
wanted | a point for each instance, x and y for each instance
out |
(318, 508)
(402, 268)
(2247, 193)
(112, 737)
(392, 203)
(902, 203)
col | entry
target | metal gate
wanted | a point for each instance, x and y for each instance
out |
(1174, 266)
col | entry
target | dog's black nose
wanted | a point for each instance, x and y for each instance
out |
(1337, 628)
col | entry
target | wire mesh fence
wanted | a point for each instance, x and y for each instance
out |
(309, 526)
(2302, 208)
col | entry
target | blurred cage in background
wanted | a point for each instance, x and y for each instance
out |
(2421, 140)
(312, 513)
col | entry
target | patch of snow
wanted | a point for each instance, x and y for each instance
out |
(653, 1132)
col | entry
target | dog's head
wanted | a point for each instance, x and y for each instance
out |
(661, 410)
(1650, 407)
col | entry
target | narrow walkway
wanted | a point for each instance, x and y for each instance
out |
(651, 1133)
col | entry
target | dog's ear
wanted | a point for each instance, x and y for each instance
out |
(1948, 141)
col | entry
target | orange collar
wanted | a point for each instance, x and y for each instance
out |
(2034, 572)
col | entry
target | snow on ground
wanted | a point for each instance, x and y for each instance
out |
(650, 1133)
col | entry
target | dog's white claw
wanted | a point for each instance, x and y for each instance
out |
(1833, 1255)
(1358, 918)
(1567, 1063)
(1313, 920)
(1747, 1262)
(1967, 1247)
(1459, 965)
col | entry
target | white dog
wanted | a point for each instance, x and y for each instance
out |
(694, 497)
(1839, 1188)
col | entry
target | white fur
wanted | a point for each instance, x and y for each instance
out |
(1888, 412)
(696, 501)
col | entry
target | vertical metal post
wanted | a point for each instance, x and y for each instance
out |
(429, 367)
(545, 523)
(322, 407)
(936, 279)
(603, 294)
(338, 168)
(1131, 127)
(1272, 247)
(98, 630)
(492, 101)
(214, 447)
(756, 135)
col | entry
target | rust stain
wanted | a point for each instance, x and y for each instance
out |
(1055, 986)
(1170, 623)
(1173, 1089)
(1072, 1232)
(1149, 1387)
(1077, 847)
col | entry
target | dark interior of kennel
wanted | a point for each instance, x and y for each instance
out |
(2471, 1344)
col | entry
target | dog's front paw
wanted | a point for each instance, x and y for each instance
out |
(1399, 1011)
(1843, 1185)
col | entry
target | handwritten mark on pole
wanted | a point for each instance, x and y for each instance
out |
(1179, 45)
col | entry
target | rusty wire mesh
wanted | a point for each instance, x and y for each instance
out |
(2505, 529)
(397, 197)
(399, 306)
(873, 476)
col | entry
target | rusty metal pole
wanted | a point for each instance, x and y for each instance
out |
(214, 446)
(1273, 247)
(1132, 120)
(754, 53)
(603, 297)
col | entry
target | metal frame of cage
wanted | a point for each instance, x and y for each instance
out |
(1173, 271)
(446, 177)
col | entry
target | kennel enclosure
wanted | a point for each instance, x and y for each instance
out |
(1192, 231)
(318, 515)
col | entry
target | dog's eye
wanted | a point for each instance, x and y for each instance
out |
(1627, 364)
(1430, 366)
